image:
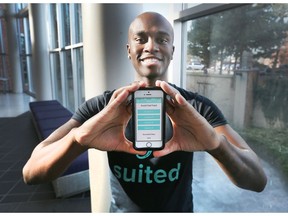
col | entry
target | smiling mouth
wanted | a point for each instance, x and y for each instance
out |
(150, 60)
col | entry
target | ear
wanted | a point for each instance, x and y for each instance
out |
(128, 51)
(172, 52)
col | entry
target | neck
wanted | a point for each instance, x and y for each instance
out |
(151, 81)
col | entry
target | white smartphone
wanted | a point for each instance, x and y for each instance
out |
(148, 118)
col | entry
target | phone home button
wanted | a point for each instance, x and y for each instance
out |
(149, 144)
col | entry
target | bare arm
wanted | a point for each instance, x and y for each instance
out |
(238, 160)
(103, 131)
(52, 156)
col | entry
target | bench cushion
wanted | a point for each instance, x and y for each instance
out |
(47, 117)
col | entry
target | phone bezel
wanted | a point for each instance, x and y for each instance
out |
(150, 89)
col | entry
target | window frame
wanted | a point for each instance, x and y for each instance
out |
(23, 16)
(180, 36)
(61, 49)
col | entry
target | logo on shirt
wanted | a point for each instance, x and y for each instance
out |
(145, 174)
(148, 153)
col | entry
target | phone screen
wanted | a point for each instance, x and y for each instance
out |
(148, 119)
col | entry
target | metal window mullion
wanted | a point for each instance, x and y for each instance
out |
(73, 56)
(183, 54)
(62, 60)
(3, 57)
(28, 52)
(72, 23)
(53, 75)
(21, 56)
(61, 41)
(51, 54)
(59, 26)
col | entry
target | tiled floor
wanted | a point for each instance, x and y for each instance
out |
(15, 195)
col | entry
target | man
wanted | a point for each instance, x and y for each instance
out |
(149, 181)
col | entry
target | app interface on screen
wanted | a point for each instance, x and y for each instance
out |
(148, 118)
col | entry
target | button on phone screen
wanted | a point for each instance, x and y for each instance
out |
(148, 119)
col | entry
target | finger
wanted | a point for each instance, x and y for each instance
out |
(173, 95)
(135, 86)
(128, 147)
(169, 90)
(131, 88)
(120, 98)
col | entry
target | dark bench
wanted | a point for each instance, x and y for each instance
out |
(47, 117)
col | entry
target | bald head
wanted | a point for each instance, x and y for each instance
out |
(150, 46)
(153, 20)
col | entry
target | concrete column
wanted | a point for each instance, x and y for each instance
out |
(106, 66)
(41, 76)
(95, 83)
(13, 49)
(243, 100)
(240, 98)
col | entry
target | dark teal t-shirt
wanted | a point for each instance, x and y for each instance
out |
(145, 183)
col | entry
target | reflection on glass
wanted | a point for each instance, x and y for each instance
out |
(69, 80)
(239, 59)
(78, 23)
(67, 67)
(66, 23)
(252, 36)
(80, 74)
(54, 30)
(55, 66)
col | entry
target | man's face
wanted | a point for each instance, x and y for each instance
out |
(150, 45)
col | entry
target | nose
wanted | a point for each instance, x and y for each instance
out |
(151, 46)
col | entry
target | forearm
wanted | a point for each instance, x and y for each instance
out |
(49, 160)
(240, 164)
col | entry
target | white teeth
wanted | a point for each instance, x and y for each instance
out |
(152, 60)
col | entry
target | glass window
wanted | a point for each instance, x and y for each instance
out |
(250, 38)
(78, 23)
(25, 47)
(80, 74)
(66, 23)
(238, 58)
(4, 63)
(53, 26)
(56, 76)
(67, 54)
(69, 80)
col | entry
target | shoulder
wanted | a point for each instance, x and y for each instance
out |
(207, 108)
(190, 96)
(92, 106)
(185, 93)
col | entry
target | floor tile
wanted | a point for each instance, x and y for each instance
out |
(8, 207)
(11, 176)
(15, 198)
(6, 187)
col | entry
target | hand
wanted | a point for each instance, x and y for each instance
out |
(106, 130)
(191, 131)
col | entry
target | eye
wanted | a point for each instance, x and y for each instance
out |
(140, 40)
(163, 41)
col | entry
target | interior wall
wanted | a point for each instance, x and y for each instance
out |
(118, 17)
